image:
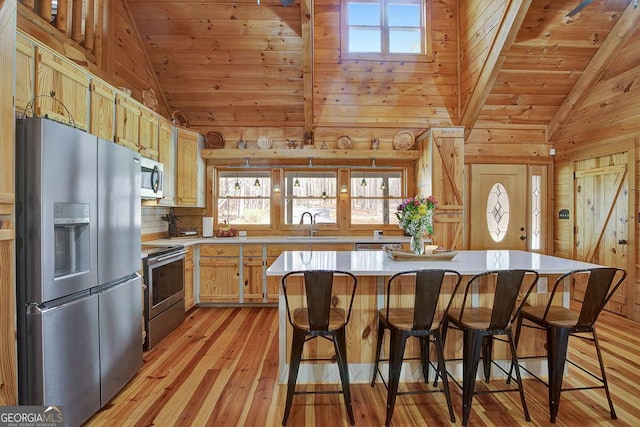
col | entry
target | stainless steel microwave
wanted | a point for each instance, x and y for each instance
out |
(150, 179)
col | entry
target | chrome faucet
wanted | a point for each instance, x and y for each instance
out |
(311, 230)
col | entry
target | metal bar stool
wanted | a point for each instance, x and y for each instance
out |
(560, 323)
(482, 324)
(418, 317)
(320, 314)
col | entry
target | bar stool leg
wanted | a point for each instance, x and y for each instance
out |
(378, 350)
(424, 357)
(487, 355)
(442, 371)
(557, 342)
(396, 355)
(297, 344)
(470, 355)
(340, 345)
(604, 376)
(514, 365)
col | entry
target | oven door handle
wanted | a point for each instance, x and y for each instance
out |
(156, 260)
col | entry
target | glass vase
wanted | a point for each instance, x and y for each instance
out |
(416, 245)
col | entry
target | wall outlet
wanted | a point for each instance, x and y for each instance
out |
(541, 286)
(242, 233)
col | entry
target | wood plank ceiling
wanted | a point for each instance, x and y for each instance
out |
(236, 64)
(547, 58)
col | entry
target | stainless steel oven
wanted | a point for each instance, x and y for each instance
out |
(164, 293)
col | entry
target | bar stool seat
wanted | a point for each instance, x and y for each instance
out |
(317, 307)
(561, 323)
(418, 318)
(481, 325)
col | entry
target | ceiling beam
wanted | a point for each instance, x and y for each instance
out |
(624, 28)
(507, 32)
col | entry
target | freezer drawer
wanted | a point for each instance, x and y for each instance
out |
(62, 358)
(120, 308)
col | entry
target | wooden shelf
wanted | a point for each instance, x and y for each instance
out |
(283, 154)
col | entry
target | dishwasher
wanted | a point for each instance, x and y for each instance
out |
(377, 246)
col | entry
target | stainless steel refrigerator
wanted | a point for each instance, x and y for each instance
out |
(78, 292)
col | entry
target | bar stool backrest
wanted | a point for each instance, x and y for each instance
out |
(428, 285)
(510, 284)
(318, 287)
(602, 284)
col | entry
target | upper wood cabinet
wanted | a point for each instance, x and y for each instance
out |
(61, 89)
(439, 172)
(167, 156)
(25, 72)
(148, 140)
(187, 168)
(102, 110)
(127, 122)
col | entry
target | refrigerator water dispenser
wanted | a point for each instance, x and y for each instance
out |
(72, 238)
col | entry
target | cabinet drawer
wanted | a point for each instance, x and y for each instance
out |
(277, 249)
(252, 250)
(219, 250)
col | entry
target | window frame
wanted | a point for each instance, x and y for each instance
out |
(297, 172)
(242, 173)
(427, 51)
(354, 177)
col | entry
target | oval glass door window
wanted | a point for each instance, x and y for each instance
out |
(497, 212)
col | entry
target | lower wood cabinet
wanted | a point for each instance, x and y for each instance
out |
(232, 273)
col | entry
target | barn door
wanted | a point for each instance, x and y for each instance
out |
(498, 214)
(601, 225)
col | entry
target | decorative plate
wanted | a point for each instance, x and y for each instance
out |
(344, 142)
(179, 119)
(264, 142)
(403, 140)
(214, 140)
(149, 99)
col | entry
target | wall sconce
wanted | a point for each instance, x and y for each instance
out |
(343, 189)
(276, 188)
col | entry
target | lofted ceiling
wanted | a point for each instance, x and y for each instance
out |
(235, 63)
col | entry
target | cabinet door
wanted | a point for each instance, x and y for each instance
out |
(25, 58)
(148, 140)
(219, 279)
(127, 122)
(253, 284)
(69, 84)
(102, 110)
(189, 300)
(187, 168)
(167, 156)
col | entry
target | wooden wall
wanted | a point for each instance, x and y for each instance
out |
(363, 99)
(130, 61)
(479, 24)
(8, 367)
(608, 118)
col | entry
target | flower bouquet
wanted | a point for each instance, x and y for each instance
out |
(415, 217)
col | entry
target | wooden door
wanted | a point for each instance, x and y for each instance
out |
(102, 110)
(187, 168)
(601, 226)
(498, 208)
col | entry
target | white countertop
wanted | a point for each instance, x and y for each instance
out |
(377, 263)
(188, 241)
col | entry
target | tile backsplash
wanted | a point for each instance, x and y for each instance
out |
(152, 220)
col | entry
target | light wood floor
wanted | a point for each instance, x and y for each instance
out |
(220, 367)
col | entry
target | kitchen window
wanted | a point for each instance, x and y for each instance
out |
(385, 30)
(313, 192)
(375, 196)
(244, 197)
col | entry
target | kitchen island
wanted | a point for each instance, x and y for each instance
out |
(372, 268)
